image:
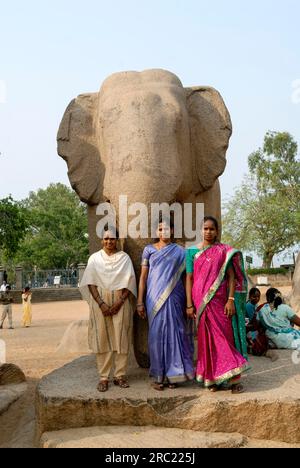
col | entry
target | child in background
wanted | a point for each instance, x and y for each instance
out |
(258, 343)
(253, 301)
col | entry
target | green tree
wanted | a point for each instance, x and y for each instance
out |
(57, 237)
(277, 169)
(13, 225)
(263, 215)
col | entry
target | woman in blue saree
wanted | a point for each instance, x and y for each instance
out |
(278, 319)
(170, 332)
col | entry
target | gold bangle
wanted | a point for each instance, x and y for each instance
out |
(231, 299)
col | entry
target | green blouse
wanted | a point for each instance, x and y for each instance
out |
(190, 257)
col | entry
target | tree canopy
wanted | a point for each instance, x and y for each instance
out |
(13, 225)
(57, 236)
(263, 216)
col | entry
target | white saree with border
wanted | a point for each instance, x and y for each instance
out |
(111, 274)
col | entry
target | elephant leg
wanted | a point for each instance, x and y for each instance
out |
(212, 203)
(140, 342)
(95, 243)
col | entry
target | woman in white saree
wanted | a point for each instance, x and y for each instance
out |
(109, 286)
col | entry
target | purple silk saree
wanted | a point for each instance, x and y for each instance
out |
(222, 349)
(170, 333)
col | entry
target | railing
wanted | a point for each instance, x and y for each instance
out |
(50, 278)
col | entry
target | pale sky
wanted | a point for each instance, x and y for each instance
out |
(51, 51)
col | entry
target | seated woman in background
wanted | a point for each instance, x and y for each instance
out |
(277, 319)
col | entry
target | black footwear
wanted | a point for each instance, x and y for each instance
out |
(213, 388)
(237, 388)
(172, 386)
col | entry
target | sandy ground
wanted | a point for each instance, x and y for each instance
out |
(33, 350)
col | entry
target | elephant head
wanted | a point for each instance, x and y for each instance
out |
(146, 136)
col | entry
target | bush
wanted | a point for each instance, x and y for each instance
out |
(267, 271)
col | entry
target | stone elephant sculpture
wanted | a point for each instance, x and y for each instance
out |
(145, 136)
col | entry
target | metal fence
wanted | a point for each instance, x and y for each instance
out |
(50, 278)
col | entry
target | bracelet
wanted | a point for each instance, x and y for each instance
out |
(191, 307)
(101, 300)
(231, 299)
(140, 305)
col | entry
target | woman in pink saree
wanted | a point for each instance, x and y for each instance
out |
(216, 295)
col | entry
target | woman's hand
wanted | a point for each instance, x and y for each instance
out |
(105, 310)
(230, 308)
(115, 309)
(141, 310)
(191, 313)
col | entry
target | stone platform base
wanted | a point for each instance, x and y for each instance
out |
(269, 410)
(124, 437)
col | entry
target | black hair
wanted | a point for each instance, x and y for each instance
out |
(213, 220)
(169, 221)
(111, 229)
(8, 288)
(274, 297)
(253, 292)
(27, 289)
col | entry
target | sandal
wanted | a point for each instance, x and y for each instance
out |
(121, 382)
(237, 388)
(158, 386)
(172, 386)
(102, 386)
(213, 388)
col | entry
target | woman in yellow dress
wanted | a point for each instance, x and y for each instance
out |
(27, 310)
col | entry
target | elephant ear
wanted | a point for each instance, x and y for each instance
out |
(77, 145)
(211, 129)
